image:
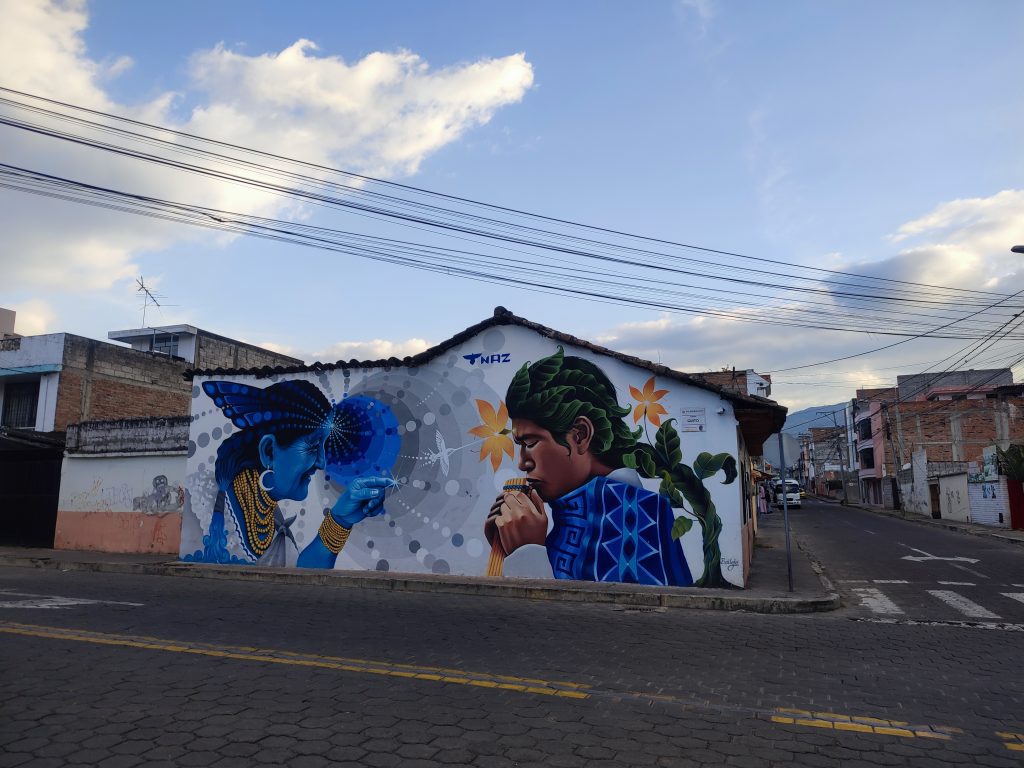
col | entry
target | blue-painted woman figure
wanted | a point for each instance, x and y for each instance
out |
(287, 432)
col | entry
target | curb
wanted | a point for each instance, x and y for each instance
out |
(574, 592)
(821, 572)
(931, 522)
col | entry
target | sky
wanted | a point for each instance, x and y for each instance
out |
(869, 137)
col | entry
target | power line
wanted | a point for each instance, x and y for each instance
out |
(414, 190)
(604, 285)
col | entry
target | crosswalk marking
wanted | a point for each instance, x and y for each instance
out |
(958, 583)
(1019, 596)
(876, 601)
(962, 604)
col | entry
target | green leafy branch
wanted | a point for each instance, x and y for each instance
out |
(684, 485)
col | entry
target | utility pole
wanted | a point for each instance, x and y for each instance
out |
(785, 511)
(848, 460)
(841, 446)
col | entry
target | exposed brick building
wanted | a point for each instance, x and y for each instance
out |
(826, 449)
(952, 422)
(48, 382)
(52, 381)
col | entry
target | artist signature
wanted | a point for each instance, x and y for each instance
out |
(730, 563)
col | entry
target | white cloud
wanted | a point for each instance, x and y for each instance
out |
(968, 218)
(704, 10)
(963, 244)
(281, 349)
(34, 317)
(381, 115)
(375, 349)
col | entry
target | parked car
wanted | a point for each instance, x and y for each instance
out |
(792, 493)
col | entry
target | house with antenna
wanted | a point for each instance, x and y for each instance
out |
(113, 402)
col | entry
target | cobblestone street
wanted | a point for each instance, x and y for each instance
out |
(144, 670)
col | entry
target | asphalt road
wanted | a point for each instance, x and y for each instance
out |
(114, 670)
(895, 569)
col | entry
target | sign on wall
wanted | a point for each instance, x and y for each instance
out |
(693, 420)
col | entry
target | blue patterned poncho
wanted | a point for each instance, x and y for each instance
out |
(612, 531)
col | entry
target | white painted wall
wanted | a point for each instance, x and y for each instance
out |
(954, 499)
(916, 496)
(120, 483)
(47, 349)
(435, 520)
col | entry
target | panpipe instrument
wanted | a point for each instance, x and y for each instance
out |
(496, 562)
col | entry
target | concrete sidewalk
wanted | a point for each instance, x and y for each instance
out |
(767, 593)
(974, 529)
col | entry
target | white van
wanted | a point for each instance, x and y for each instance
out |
(792, 493)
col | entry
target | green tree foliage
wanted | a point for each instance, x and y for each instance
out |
(684, 485)
(1012, 462)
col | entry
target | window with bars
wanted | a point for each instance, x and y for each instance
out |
(20, 401)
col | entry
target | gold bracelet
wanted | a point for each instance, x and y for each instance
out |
(332, 534)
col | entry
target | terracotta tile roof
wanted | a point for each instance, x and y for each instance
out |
(774, 412)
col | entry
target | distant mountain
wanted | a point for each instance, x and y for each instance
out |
(801, 421)
(797, 423)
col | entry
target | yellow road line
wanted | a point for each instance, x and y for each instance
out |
(541, 687)
(442, 671)
(1012, 741)
(858, 724)
(570, 690)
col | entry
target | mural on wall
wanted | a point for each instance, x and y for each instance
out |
(287, 433)
(478, 463)
(585, 463)
(163, 498)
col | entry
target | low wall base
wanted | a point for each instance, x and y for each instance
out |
(135, 532)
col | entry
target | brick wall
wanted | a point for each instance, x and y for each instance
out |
(102, 381)
(214, 352)
(957, 430)
(732, 381)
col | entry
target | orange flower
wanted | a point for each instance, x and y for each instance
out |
(494, 431)
(647, 403)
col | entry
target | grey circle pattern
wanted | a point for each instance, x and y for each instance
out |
(493, 340)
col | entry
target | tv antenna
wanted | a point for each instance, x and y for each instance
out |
(148, 297)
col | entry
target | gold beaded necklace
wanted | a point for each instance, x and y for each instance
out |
(257, 510)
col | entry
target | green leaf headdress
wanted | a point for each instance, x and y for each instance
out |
(556, 390)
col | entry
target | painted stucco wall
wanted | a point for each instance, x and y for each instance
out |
(127, 503)
(953, 498)
(916, 496)
(453, 452)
